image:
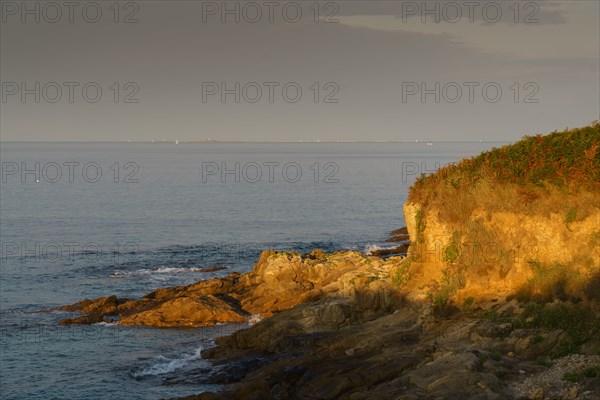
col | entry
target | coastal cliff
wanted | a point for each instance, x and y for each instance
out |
(502, 222)
(497, 298)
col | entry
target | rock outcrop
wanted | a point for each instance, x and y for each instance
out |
(185, 311)
(325, 350)
(278, 282)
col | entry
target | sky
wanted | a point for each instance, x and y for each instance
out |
(297, 71)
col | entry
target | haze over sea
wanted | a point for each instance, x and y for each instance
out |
(84, 220)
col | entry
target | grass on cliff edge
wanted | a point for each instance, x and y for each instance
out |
(519, 175)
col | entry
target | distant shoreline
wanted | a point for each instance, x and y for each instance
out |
(262, 142)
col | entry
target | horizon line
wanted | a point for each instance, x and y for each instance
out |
(177, 142)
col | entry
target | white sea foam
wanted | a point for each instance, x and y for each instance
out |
(164, 365)
(157, 271)
(370, 248)
(106, 324)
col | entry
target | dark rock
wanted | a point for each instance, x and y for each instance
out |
(316, 254)
(402, 249)
(399, 238)
(99, 306)
(401, 231)
(212, 269)
(84, 320)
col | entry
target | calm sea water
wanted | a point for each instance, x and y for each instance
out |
(93, 219)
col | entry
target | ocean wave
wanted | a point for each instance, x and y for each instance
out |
(103, 323)
(370, 248)
(164, 365)
(161, 271)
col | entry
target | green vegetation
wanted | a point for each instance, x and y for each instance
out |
(528, 176)
(592, 372)
(565, 159)
(439, 298)
(402, 273)
(490, 315)
(468, 302)
(571, 216)
(451, 253)
(537, 338)
(451, 281)
(572, 377)
(545, 363)
(420, 226)
(501, 373)
(579, 322)
(550, 282)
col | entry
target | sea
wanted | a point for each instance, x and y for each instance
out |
(84, 220)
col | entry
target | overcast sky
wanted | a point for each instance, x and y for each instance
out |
(490, 70)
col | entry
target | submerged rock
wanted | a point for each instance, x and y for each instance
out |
(83, 320)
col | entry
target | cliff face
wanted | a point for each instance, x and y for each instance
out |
(496, 252)
(525, 217)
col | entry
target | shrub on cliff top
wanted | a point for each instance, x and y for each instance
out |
(567, 160)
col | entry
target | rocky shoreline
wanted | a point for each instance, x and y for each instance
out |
(278, 282)
(336, 326)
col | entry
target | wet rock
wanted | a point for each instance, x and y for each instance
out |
(83, 320)
(212, 269)
(398, 238)
(100, 306)
(135, 306)
(401, 231)
(402, 249)
(96, 310)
